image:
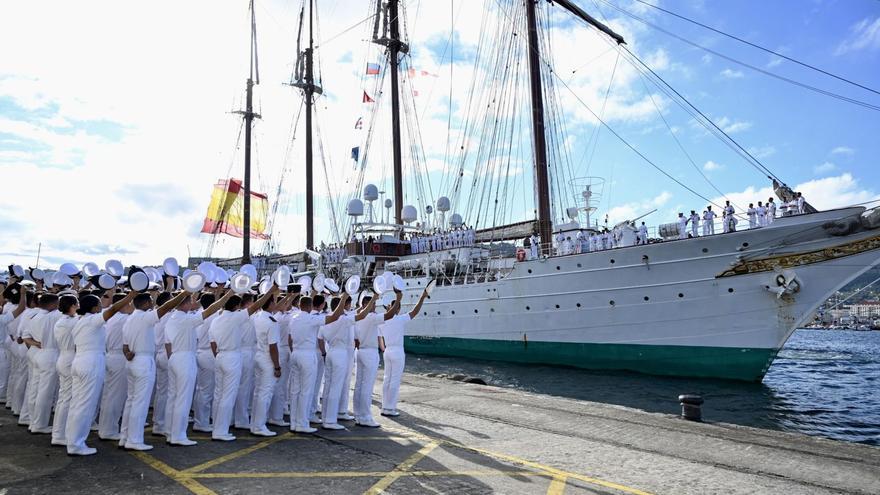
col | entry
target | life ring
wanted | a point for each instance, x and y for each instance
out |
(376, 249)
(520, 255)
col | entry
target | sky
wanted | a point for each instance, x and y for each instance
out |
(115, 117)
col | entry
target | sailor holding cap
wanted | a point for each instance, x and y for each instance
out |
(113, 393)
(87, 370)
(139, 348)
(63, 333)
(533, 247)
(771, 211)
(394, 357)
(709, 219)
(160, 396)
(368, 348)
(46, 376)
(267, 366)
(13, 308)
(205, 364)
(752, 213)
(242, 419)
(695, 223)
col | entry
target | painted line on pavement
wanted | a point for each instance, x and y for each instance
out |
(557, 485)
(401, 468)
(184, 480)
(238, 453)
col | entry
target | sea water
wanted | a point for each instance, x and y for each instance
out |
(823, 383)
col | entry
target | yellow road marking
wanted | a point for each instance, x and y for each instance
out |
(401, 468)
(186, 481)
(557, 485)
(363, 474)
(238, 453)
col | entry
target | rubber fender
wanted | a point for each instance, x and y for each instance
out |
(844, 226)
(871, 219)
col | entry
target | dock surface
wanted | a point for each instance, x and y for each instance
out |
(460, 438)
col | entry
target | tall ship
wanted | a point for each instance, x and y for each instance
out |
(556, 286)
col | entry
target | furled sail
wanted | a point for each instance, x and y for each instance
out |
(226, 211)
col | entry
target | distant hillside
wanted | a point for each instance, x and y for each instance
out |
(863, 280)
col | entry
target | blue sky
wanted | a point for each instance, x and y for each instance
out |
(115, 133)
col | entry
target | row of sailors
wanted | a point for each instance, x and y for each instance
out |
(333, 254)
(232, 361)
(760, 216)
(425, 243)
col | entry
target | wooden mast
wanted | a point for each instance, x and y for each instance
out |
(253, 78)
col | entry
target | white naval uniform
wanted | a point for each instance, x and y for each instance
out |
(753, 217)
(139, 334)
(267, 333)
(19, 365)
(113, 394)
(204, 395)
(695, 224)
(46, 376)
(226, 333)
(682, 227)
(395, 359)
(303, 366)
(709, 217)
(64, 338)
(345, 391)
(5, 319)
(761, 211)
(245, 396)
(336, 336)
(533, 247)
(367, 332)
(31, 329)
(180, 332)
(280, 398)
(160, 394)
(87, 370)
(771, 212)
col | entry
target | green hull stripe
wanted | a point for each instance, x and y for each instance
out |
(749, 364)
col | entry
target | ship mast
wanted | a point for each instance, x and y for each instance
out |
(396, 47)
(249, 115)
(545, 221)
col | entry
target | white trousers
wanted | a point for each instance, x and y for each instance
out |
(160, 396)
(62, 406)
(227, 377)
(87, 372)
(141, 374)
(264, 387)
(18, 374)
(282, 386)
(30, 387)
(182, 371)
(319, 379)
(303, 366)
(367, 369)
(245, 390)
(47, 385)
(395, 359)
(204, 393)
(114, 394)
(334, 375)
(345, 393)
(4, 366)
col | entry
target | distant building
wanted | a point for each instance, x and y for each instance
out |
(866, 310)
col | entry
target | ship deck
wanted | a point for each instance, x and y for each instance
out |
(456, 437)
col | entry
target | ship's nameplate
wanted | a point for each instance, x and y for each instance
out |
(800, 259)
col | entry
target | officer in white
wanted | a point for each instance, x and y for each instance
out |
(394, 357)
(19, 366)
(267, 366)
(682, 226)
(368, 342)
(31, 325)
(87, 370)
(695, 223)
(226, 338)
(160, 396)
(761, 212)
(204, 395)
(139, 348)
(533, 247)
(46, 360)
(280, 396)
(709, 219)
(245, 397)
(752, 213)
(16, 304)
(729, 218)
(113, 394)
(181, 343)
(67, 306)
(771, 211)
(334, 339)
(304, 329)
(801, 204)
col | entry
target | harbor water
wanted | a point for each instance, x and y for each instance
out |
(823, 383)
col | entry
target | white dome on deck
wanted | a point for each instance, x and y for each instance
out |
(371, 192)
(455, 220)
(355, 208)
(409, 214)
(389, 203)
(443, 204)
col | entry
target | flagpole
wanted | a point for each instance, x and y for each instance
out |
(309, 89)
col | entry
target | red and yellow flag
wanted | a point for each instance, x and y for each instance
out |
(226, 211)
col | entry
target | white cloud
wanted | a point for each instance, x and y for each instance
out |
(774, 62)
(706, 59)
(824, 168)
(843, 150)
(731, 74)
(712, 166)
(825, 193)
(864, 35)
(760, 152)
(629, 211)
(731, 126)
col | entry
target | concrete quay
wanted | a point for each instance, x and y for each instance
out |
(460, 438)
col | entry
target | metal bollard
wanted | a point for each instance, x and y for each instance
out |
(690, 407)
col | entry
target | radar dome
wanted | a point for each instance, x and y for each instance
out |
(443, 204)
(355, 208)
(409, 214)
(429, 209)
(371, 192)
(455, 220)
(572, 213)
(389, 203)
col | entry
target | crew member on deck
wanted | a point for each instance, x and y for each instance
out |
(771, 211)
(682, 226)
(709, 219)
(395, 358)
(753, 216)
(695, 223)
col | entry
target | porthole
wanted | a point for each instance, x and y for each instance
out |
(647, 298)
(492, 310)
(438, 313)
(419, 282)
(611, 303)
(730, 289)
(578, 305)
(530, 270)
(557, 268)
(705, 250)
(680, 294)
(453, 311)
(745, 244)
(528, 308)
(425, 313)
(476, 311)
(579, 265)
(557, 306)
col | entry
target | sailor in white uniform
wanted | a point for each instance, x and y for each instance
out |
(394, 357)
(761, 212)
(139, 348)
(304, 328)
(16, 304)
(204, 394)
(46, 360)
(801, 204)
(280, 397)
(67, 306)
(368, 348)
(319, 303)
(752, 213)
(181, 344)
(87, 370)
(226, 340)
(160, 396)
(19, 369)
(31, 325)
(709, 219)
(533, 247)
(771, 211)
(113, 393)
(682, 226)
(695, 223)
(267, 366)
(245, 397)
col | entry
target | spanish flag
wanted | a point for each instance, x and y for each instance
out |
(226, 211)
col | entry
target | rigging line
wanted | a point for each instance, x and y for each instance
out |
(633, 148)
(593, 144)
(759, 47)
(337, 35)
(815, 89)
(678, 142)
(754, 161)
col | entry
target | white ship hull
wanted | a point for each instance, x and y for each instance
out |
(666, 308)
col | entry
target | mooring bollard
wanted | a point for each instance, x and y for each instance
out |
(690, 407)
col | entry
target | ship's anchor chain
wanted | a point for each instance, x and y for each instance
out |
(784, 283)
